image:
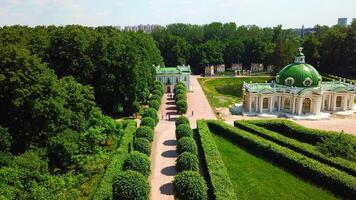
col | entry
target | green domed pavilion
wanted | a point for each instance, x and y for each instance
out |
(298, 90)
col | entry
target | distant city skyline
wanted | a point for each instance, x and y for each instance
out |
(162, 12)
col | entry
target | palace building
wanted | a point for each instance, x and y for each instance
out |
(170, 76)
(298, 90)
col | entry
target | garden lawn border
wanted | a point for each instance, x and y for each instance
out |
(337, 181)
(104, 188)
(218, 179)
(303, 148)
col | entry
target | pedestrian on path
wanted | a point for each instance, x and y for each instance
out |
(192, 113)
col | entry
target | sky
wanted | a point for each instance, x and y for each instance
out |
(264, 13)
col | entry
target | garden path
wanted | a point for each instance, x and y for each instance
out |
(163, 155)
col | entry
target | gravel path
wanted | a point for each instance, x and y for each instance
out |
(164, 155)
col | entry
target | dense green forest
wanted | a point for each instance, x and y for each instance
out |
(330, 49)
(54, 81)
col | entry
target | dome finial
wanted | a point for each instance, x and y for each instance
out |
(299, 58)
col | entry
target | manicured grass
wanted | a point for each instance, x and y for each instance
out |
(224, 92)
(256, 178)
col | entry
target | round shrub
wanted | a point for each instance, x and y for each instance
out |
(148, 121)
(182, 106)
(144, 132)
(182, 120)
(157, 92)
(189, 185)
(187, 144)
(187, 161)
(179, 86)
(137, 161)
(128, 185)
(179, 91)
(179, 97)
(183, 130)
(150, 112)
(142, 145)
(154, 104)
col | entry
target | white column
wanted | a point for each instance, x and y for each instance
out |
(261, 104)
(334, 103)
(322, 103)
(256, 104)
(330, 98)
(271, 104)
(279, 103)
(293, 105)
(318, 105)
(283, 98)
(249, 103)
(300, 100)
(344, 104)
(352, 100)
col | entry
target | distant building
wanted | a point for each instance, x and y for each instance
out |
(219, 68)
(146, 28)
(209, 70)
(256, 67)
(342, 21)
(236, 67)
(270, 68)
(170, 76)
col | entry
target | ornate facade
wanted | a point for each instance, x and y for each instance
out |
(298, 90)
(170, 76)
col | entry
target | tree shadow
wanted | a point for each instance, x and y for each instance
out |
(170, 103)
(170, 99)
(170, 142)
(170, 154)
(172, 113)
(169, 171)
(171, 108)
(167, 189)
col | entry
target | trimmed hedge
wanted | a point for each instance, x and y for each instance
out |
(182, 106)
(154, 104)
(187, 161)
(149, 122)
(142, 145)
(187, 144)
(183, 130)
(336, 180)
(104, 188)
(217, 177)
(182, 120)
(144, 132)
(291, 129)
(297, 146)
(150, 112)
(180, 96)
(189, 185)
(139, 162)
(130, 185)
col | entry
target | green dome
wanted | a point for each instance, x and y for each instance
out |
(299, 74)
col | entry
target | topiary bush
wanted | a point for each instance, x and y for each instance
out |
(182, 120)
(142, 145)
(189, 185)
(187, 144)
(139, 162)
(128, 185)
(148, 121)
(179, 91)
(157, 92)
(150, 112)
(187, 161)
(144, 132)
(179, 97)
(154, 104)
(182, 106)
(183, 130)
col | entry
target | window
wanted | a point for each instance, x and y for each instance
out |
(289, 81)
(185, 78)
(307, 82)
(338, 101)
(306, 105)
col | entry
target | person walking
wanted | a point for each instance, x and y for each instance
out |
(192, 113)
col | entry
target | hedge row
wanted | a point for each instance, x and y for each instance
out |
(297, 146)
(180, 97)
(188, 184)
(218, 179)
(104, 187)
(329, 177)
(291, 129)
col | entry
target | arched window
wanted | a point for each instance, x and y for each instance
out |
(185, 78)
(287, 104)
(177, 80)
(168, 81)
(265, 103)
(338, 101)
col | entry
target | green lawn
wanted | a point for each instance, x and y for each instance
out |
(256, 178)
(224, 92)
